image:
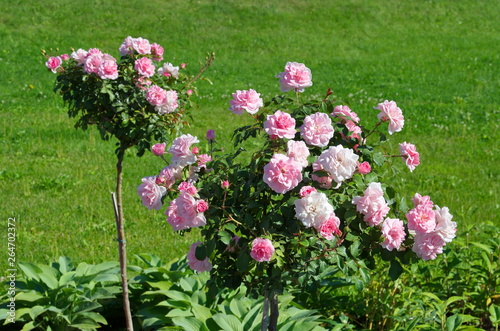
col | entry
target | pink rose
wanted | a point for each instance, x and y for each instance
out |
(92, 63)
(181, 150)
(372, 204)
(53, 63)
(194, 263)
(202, 206)
(339, 162)
(225, 184)
(108, 69)
(282, 173)
(317, 129)
(203, 159)
(393, 232)
(169, 70)
(158, 149)
(210, 135)
(410, 155)
(188, 187)
(170, 175)
(428, 245)
(313, 209)
(444, 225)
(389, 111)
(329, 227)
(280, 124)
(79, 56)
(141, 46)
(64, 57)
(262, 250)
(305, 190)
(151, 193)
(169, 105)
(183, 213)
(421, 219)
(145, 67)
(126, 47)
(298, 151)
(424, 201)
(157, 52)
(248, 100)
(156, 95)
(345, 114)
(295, 77)
(364, 168)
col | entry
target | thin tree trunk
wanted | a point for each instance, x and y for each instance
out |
(117, 203)
(270, 322)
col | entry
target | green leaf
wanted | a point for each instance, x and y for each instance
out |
(65, 264)
(453, 322)
(30, 296)
(228, 322)
(189, 323)
(494, 314)
(395, 270)
(378, 158)
(50, 281)
(30, 270)
(237, 308)
(200, 312)
(176, 295)
(86, 306)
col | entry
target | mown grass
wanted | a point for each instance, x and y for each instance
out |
(437, 59)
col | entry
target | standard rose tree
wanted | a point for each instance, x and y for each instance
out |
(310, 202)
(134, 100)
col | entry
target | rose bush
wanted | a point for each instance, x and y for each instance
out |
(136, 99)
(310, 202)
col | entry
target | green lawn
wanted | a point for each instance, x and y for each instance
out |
(438, 59)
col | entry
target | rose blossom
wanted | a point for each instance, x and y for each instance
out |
(201, 206)
(145, 67)
(280, 124)
(203, 159)
(372, 204)
(79, 56)
(183, 213)
(389, 111)
(187, 187)
(305, 190)
(324, 181)
(317, 129)
(345, 114)
(393, 232)
(156, 95)
(410, 155)
(181, 150)
(298, 151)
(328, 226)
(364, 168)
(312, 209)
(445, 227)
(126, 46)
(92, 63)
(225, 184)
(424, 201)
(428, 245)
(157, 52)
(339, 162)
(194, 263)
(141, 46)
(421, 219)
(248, 100)
(158, 149)
(282, 173)
(151, 193)
(169, 105)
(262, 250)
(108, 69)
(53, 63)
(170, 173)
(295, 77)
(168, 70)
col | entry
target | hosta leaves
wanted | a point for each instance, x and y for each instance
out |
(228, 322)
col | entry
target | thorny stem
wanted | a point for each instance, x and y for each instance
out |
(210, 59)
(373, 130)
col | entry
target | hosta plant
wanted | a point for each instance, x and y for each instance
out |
(311, 201)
